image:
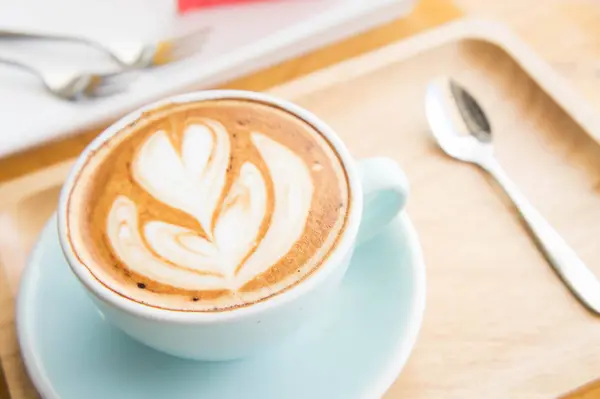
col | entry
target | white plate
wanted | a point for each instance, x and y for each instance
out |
(244, 39)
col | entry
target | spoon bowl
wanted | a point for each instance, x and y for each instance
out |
(465, 138)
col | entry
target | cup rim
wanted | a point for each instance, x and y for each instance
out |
(334, 260)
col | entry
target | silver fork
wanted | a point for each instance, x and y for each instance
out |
(129, 55)
(79, 85)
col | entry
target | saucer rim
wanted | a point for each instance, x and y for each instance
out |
(391, 372)
(416, 313)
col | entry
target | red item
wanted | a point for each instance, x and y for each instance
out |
(187, 5)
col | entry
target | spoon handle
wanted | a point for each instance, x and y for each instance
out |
(581, 281)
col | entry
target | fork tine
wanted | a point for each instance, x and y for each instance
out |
(192, 37)
(105, 91)
(112, 83)
(177, 48)
(187, 45)
(120, 78)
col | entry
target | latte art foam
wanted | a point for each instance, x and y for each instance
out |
(209, 206)
(232, 250)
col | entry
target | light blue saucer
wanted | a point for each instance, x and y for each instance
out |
(355, 350)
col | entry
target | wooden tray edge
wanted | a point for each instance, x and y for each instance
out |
(494, 33)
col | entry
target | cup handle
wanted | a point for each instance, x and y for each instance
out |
(385, 189)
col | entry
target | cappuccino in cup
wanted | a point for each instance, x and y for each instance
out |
(214, 224)
(208, 206)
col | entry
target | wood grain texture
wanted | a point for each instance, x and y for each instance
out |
(498, 322)
(587, 391)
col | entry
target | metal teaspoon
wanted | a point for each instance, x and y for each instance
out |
(444, 101)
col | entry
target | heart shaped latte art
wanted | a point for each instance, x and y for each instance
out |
(234, 246)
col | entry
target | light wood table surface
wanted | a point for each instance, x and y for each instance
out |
(565, 33)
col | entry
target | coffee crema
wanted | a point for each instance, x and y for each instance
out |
(208, 206)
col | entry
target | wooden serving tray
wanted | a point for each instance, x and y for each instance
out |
(498, 323)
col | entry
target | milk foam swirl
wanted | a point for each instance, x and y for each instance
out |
(233, 248)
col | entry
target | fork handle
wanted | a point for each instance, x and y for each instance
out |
(13, 34)
(22, 66)
(22, 35)
(578, 277)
